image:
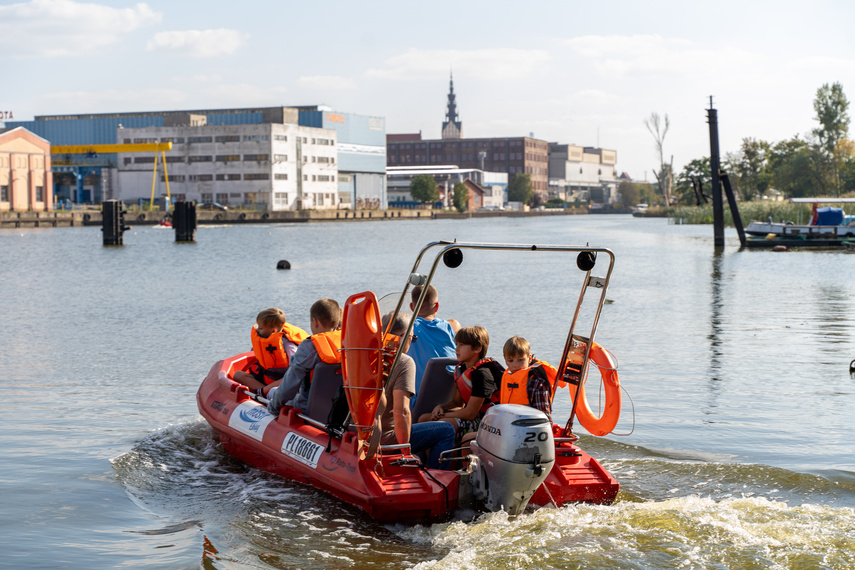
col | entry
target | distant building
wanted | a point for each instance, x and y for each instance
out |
(25, 176)
(511, 155)
(271, 166)
(488, 189)
(360, 146)
(582, 173)
(452, 128)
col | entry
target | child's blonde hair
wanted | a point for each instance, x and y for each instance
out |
(272, 317)
(516, 347)
(474, 336)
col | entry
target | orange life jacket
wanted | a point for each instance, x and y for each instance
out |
(514, 386)
(328, 345)
(464, 382)
(270, 352)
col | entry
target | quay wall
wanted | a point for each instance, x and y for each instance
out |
(203, 217)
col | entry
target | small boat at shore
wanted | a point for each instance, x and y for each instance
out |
(518, 457)
(827, 223)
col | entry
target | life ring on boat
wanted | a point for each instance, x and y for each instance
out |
(605, 423)
(141, 218)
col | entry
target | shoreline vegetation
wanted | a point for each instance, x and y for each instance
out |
(754, 210)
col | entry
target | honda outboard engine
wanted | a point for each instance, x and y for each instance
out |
(511, 456)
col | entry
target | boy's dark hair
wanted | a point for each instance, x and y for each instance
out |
(327, 313)
(474, 336)
(272, 317)
(516, 347)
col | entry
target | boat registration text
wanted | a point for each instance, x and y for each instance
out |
(302, 449)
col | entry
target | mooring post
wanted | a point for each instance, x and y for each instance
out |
(112, 222)
(715, 165)
(734, 208)
(184, 221)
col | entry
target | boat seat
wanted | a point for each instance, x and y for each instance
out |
(326, 380)
(437, 386)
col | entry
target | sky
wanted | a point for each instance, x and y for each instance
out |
(576, 72)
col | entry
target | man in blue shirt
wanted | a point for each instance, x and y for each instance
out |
(432, 337)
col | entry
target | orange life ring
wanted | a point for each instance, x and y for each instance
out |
(362, 364)
(604, 424)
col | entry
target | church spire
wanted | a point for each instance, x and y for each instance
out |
(452, 128)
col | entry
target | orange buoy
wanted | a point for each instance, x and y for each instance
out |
(606, 422)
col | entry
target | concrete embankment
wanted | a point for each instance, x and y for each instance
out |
(203, 217)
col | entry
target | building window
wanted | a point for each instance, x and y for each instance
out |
(280, 176)
(207, 197)
(324, 159)
(173, 178)
(227, 138)
(199, 139)
(256, 176)
(201, 177)
(255, 138)
(145, 141)
(228, 157)
(256, 157)
(174, 140)
(234, 194)
(325, 178)
(223, 198)
(200, 158)
(280, 138)
(40, 193)
(128, 160)
(174, 159)
(143, 159)
(231, 177)
(280, 158)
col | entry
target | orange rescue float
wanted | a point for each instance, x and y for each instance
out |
(362, 364)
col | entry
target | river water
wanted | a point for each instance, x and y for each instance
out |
(740, 449)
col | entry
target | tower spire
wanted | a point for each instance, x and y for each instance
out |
(452, 127)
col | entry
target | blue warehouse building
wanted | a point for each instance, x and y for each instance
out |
(360, 144)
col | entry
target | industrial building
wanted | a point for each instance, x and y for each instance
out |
(486, 189)
(582, 173)
(360, 152)
(269, 166)
(25, 176)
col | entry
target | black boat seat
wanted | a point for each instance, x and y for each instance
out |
(326, 380)
(437, 386)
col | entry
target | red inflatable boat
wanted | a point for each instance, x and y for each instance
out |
(518, 456)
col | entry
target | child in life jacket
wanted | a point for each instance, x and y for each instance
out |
(477, 382)
(274, 342)
(527, 381)
(324, 345)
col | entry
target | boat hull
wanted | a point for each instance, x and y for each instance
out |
(294, 448)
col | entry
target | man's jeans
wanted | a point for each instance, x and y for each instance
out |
(436, 436)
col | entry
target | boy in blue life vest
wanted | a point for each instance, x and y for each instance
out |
(526, 381)
(324, 345)
(274, 342)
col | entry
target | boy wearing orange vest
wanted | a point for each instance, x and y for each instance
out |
(526, 381)
(324, 345)
(274, 342)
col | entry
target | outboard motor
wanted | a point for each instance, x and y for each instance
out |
(511, 456)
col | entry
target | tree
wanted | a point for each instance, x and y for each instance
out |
(423, 188)
(796, 168)
(752, 168)
(695, 179)
(629, 193)
(831, 108)
(460, 197)
(659, 128)
(520, 189)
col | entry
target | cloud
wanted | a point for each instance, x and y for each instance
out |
(56, 28)
(326, 82)
(198, 43)
(646, 55)
(476, 64)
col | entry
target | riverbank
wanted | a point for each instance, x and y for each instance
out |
(93, 217)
